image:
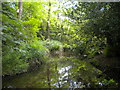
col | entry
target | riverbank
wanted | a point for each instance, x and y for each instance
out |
(108, 65)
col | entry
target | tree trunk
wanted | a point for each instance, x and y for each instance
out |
(48, 21)
(20, 9)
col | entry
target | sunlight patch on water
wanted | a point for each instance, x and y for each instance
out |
(64, 69)
(64, 79)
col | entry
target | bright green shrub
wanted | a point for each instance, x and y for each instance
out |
(12, 62)
(12, 37)
(19, 59)
(54, 45)
(38, 50)
(34, 50)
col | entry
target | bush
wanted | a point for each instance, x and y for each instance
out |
(54, 45)
(38, 50)
(19, 59)
(35, 51)
(27, 55)
(13, 63)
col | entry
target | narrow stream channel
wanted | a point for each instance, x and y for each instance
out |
(65, 72)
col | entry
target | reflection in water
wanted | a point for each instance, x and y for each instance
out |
(57, 73)
(64, 78)
(64, 69)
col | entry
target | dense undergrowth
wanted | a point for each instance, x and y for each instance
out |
(28, 55)
(30, 36)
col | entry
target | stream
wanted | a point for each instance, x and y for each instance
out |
(64, 72)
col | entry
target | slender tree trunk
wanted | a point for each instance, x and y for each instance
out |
(58, 25)
(20, 9)
(48, 21)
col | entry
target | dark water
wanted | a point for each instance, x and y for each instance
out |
(64, 72)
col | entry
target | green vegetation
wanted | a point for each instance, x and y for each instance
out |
(34, 32)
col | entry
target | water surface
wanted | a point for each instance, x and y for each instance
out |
(64, 72)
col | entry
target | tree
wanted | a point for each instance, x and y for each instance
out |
(101, 20)
(48, 21)
(12, 39)
(20, 9)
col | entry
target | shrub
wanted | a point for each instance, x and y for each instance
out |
(19, 59)
(54, 45)
(13, 63)
(35, 50)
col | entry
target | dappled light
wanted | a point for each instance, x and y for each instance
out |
(60, 44)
